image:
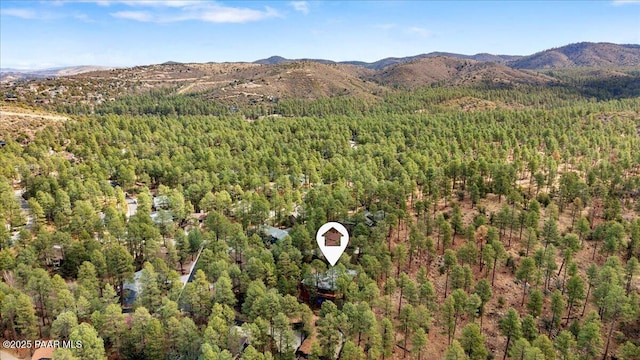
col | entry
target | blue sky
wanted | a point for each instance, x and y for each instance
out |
(41, 34)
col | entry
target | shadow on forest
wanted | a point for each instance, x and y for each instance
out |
(608, 88)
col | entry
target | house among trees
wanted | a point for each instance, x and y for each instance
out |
(198, 218)
(131, 291)
(161, 217)
(273, 234)
(160, 202)
(322, 286)
(238, 339)
(372, 218)
(57, 256)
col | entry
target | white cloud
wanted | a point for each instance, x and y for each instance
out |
(158, 11)
(138, 3)
(134, 15)
(31, 14)
(221, 14)
(161, 3)
(20, 13)
(422, 32)
(301, 6)
(625, 2)
(201, 12)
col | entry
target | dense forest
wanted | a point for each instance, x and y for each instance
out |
(484, 223)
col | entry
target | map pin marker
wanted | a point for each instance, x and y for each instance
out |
(332, 239)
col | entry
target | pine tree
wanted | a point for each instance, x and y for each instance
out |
(616, 306)
(150, 296)
(223, 291)
(529, 328)
(557, 306)
(510, 328)
(388, 342)
(525, 273)
(63, 325)
(575, 293)
(499, 253)
(455, 352)
(448, 313)
(418, 341)
(119, 266)
(520, 350)
(589, 340)
(92, 345)
(545, 345)
(25, 316)
(565, 345)
(472, 342)
(534, 305)
(450, 260)
(407, 318)
(483, 289)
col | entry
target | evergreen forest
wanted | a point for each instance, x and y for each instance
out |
(486, 222)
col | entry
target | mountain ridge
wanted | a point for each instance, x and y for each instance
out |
(582, 54)
(388, 61)
(268, 80)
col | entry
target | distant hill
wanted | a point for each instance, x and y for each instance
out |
(273, 60)
(453, 71)
(246, 82)
(588, 67)
(382, 63)
(583, 54)
(499, 59)
(8, 74)
(309, 79)
(579, 55)
(276, 60)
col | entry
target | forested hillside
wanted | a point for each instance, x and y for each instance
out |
(485, 223)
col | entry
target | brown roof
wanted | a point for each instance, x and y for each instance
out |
(305, 347)
(43, 353)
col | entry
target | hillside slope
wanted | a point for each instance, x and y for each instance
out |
(389, 61)
(583, 54)
(451, 71)
(7, 74)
